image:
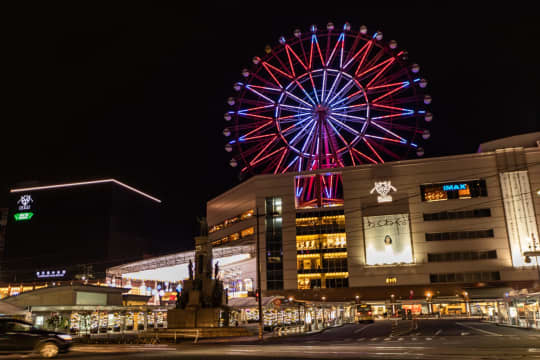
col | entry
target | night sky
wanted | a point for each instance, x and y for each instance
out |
(138, 93)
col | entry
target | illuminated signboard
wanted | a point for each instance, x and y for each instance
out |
(24, 204)
(23, 216)
(383, 188)
(388, 239)
(453, 190)
(51, 274)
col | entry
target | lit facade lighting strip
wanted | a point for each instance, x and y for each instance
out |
(85, 183)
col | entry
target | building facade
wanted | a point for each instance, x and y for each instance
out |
(76, 231)
(449, 228)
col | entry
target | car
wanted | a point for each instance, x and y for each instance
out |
(17, 336)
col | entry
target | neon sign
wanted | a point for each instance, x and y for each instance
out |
(23, 216)
(452, 187)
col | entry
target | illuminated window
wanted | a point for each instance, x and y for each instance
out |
(228, 222)
(318, 191)
(247, 232)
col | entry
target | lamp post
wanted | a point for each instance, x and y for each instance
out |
(259, 294)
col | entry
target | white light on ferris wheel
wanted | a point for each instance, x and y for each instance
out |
(297, 33)
(237, 86)
(379, 35)
(256, 60)
(363, 29)
(427, 99)
(428, 117)
(415, 68)
(313, 28)
(426, 134)
(227, 132)
(423, 83)
(282, 40)
(347, 27)
(392, 44)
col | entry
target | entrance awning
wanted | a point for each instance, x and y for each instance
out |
(488, 293)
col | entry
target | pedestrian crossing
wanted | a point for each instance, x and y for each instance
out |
(415, 338)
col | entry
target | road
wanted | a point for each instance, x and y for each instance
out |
(433, 339)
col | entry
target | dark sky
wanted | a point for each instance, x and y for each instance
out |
(138, 93)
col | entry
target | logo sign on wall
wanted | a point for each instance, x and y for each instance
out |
(388, 239)
(383, 188)
(24, 204)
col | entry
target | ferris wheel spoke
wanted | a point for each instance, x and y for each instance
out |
(308, 138)
(295, 126)
(373, 150)
(291, 51)
(305, 92)
(314, 40)
(267, 88)
(351, 118)
(244, 111)
(364, 155)
(403, 114)
(313, 87)
(323, 89)
(344, 88)
(291, 95)
(300, 132)
(384, 66)
(406, 84)
(291, 163)
(363, 50)
(285, 151)
(259, 94)
(347, 145)
(253, 163)
(291, 107)
(382, 71)
(352, 108)
(345, 126)
(332, 88)
(269, 67)
(388, 131)
(341, 37)
(255, 130)
(383, 138)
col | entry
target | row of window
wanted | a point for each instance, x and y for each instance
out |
(459, 235)
(452, 215)
(465, 277)
(228, 222)
(235, 236)
(305, 284)
(315, 265)
(462, 256)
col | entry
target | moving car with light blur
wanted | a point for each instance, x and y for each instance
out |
(17, 336)
(364, 313)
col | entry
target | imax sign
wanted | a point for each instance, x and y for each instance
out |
(454, 187)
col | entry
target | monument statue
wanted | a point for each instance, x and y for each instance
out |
(216, 270)
(190, 270)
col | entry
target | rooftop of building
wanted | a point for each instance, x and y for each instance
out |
(83, 183)
(527, 140)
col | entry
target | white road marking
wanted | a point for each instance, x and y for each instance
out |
(428, 338)
(464, 333)
(374, 339)
(481, 330)
(388, 338)
(361, 329)
(360, 339)
(400, 339)
(438, 332)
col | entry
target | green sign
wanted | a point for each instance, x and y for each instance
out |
(23, 216)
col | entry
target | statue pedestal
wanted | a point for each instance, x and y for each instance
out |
(194, 318)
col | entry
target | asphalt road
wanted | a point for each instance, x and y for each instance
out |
(433, 339)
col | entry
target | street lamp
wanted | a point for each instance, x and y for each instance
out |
(323, 312)
(429, 294)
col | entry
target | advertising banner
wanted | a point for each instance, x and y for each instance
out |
(388, 239)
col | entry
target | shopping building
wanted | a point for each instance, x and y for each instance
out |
(75, 231)
(447, 234)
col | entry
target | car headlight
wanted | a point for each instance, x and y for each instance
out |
(65, 337)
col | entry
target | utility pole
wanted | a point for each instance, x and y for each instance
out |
(259, 293)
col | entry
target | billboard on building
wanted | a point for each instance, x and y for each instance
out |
(388, 239)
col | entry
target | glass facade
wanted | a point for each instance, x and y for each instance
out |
(274, 244)
(321, 247)
(318, 191)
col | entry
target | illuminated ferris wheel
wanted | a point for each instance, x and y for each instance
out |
(327, 99)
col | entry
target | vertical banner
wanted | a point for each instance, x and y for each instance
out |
(388, 239)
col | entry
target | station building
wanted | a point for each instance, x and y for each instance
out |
(446, 234)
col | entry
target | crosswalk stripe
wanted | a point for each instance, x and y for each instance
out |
(360, 339)
(428, 338)
(374, 339)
